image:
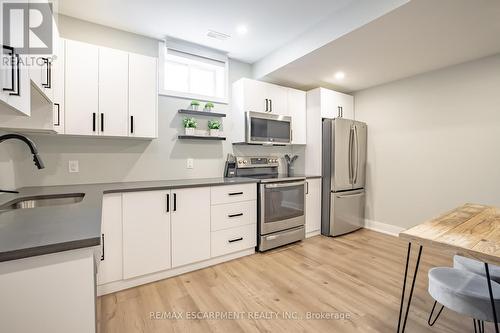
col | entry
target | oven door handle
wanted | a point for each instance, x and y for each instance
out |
(284, 184)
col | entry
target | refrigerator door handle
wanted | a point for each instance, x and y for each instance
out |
(350, 155)
(351, 195)
(356, 144)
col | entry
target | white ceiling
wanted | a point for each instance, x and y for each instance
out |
(417, 37)
(271, 23)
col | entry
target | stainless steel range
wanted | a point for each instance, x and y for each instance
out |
(281, 201)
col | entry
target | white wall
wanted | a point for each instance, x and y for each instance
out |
(433, 142)
(114, 160)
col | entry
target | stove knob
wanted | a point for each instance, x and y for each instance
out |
(240, 161)
(245, 162)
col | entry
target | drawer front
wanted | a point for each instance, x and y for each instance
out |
(233, 193)
(234, 215)
(233, 240)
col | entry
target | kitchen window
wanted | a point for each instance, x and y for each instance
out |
(192, 73)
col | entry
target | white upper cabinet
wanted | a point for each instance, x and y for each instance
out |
(58, 88)
(143, 96)
(335, 104)
(81, 88)
(253, 95)
(146, 232)
(113, 92)
(297, 110)
(261, 96)
(190, 225)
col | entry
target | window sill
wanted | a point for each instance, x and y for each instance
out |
(189, 96)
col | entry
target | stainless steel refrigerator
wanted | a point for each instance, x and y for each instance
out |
(344, 166)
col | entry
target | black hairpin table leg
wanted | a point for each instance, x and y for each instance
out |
(402, 326)
(487, 269)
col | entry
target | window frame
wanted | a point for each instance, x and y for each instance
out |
(197, 51)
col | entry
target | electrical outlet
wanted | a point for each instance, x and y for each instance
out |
(73, 166)
(190, 163)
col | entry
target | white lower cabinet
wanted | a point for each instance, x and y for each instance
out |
(111, 264)
(313, 205)
(151, 235)
(190, 225)
(146, 232)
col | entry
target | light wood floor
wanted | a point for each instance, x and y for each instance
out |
(359, 274)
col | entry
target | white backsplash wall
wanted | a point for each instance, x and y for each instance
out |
(114, 160)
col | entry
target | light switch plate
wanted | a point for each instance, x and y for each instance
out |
(73, 166)
(190, 163)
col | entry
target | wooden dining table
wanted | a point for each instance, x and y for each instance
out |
(471, 230)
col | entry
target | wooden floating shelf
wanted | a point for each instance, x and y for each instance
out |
(201, 137)
(202, 113)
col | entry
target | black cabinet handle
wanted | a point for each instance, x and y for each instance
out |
(47, 71)
(12, 58)
(16, 78)
(93, 121)
(175, 202)
(270, 105)
(102, 122)
(235, 193)
(102, 256)
(267, 105)
(49, 66)
(58, 114)
(132, 124)
(235, 240)
(307, 187)
(168, 203)
(235, 215)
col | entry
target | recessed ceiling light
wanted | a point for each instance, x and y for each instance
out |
(241, 29)
(340, 75)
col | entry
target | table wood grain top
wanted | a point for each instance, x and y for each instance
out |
(471, 230)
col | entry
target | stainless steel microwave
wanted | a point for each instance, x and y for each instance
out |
(267, 129)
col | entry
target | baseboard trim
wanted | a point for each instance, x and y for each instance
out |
(313, 233)
(384, 228)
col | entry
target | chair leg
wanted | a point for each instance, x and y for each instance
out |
(492, 299)
(432, 322)
(480, 326)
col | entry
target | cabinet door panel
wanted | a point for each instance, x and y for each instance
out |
(81, 88)
(58, 87)
(146, 233)
(143, 96)
(111, 268)
(313, 205)
(190, 225)
(279, 99)
(297, 110)
(255, 95)
(113, 92)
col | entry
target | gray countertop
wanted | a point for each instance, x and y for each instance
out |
(43, 230)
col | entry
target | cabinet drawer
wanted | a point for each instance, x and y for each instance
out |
(233, 193)
(233, 215)
(233, 240)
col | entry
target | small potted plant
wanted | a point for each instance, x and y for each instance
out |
(209, 106)
(214, 126)
(189, 125)
(194, 105)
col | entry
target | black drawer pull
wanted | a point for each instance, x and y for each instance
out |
(93, 121)
(102, 256)
(235, 240)
(235, 215)
(168, 203)
(235, 193)
(58, 114)
(132, 124)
